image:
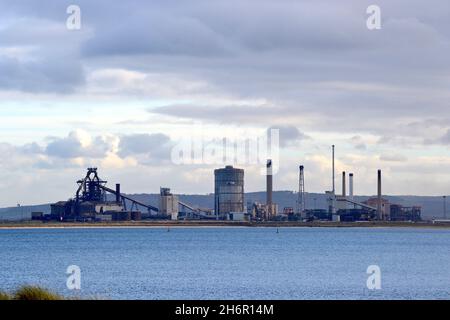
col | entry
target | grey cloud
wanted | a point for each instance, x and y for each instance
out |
(445, 139)
(57, 149)
(223, 114)
(393, 158)
(151, 34)
(6, 149)
(32, 148)
(289, 135)
(39, 55)
(391, 127)
(271, 50)
(147, 148)
(48, 75)
(64, 148)
(29, 149)
(442, 139)
(314, 65)
(358, 143)
(72, 147)
(199, 29)
(53, 163)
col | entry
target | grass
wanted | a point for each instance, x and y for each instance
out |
(4, 296)
(31, 293)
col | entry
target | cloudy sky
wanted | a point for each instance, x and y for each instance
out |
(140, 76)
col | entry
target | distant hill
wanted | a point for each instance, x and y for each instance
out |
(431, 206)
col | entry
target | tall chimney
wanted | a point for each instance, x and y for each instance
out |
(344, 191)
(379, 206)
(332, 161)
(269, 186)
(301, 191)
(118, 197)
(350, 187)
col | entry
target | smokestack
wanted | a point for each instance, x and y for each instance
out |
(344, 191)
(334, 187)
(269, 185)
(350, 187)
(301, 191)
(118, 197)
(379, 207)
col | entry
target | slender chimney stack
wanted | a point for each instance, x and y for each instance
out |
(118, 197)
(350, 187)
(269, 186)
(344, 191)
(334, 187)
(333, 192)
(379, 205)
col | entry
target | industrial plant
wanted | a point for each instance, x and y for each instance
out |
(94, 201)
(344, 207)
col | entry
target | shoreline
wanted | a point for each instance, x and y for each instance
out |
(217, 224)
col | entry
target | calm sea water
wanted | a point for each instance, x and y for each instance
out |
(230, 263)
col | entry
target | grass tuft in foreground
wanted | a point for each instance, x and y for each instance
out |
(31, 293)
(35, 293)
(4, 296)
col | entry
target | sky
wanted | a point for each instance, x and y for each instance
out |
(138, 78)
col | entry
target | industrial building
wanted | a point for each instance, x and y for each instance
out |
(400, 213)
(92, 204)
(261, 212)
(94, 201)
(168, 204)
(238, 216)
(228, 191)
(84, 210)
(385, 207)
(341, 207)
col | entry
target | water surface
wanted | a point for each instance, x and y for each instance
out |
(230, 263)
